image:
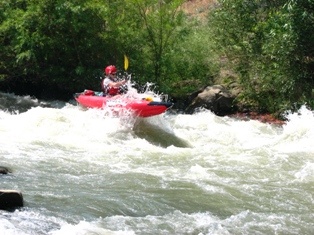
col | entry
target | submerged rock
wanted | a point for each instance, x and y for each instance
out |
(4, 170)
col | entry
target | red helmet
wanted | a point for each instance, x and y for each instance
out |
(110, 69)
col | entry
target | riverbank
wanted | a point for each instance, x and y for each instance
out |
(262, 117)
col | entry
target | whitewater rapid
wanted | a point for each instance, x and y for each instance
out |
(82, 172)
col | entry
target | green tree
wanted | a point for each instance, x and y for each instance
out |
(192, 61)
(52, 41)
(261, 40)
(67, 44)
(302, 58)
(158, 23)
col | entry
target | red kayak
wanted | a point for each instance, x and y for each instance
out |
(142, 107)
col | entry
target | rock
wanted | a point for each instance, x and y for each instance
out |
(215, 98)
(10, 199)
(4, 170)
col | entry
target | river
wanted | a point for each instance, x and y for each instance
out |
(83, 172)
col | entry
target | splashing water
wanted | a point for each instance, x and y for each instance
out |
(83, 172)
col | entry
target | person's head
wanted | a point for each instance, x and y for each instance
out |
(111, 70)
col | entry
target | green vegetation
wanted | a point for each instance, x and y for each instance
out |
(267, 46)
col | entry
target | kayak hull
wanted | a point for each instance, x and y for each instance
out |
(140, 107)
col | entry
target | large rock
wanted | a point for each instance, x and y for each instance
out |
(215, 98)
(10, 199)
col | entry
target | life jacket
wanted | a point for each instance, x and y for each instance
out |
(109, 90)
(113, 90)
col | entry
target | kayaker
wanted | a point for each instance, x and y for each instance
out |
(111, 84)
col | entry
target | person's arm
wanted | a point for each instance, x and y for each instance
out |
(117, 84)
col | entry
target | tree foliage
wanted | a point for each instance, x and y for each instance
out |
(267, 44)
(173, 48)
(50, 40)
(70, 42)
(161, 21)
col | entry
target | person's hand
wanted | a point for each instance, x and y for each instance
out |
(123, 82)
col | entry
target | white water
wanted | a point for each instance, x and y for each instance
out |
(81, 172)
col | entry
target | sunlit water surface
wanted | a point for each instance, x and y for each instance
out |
(84, 172)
